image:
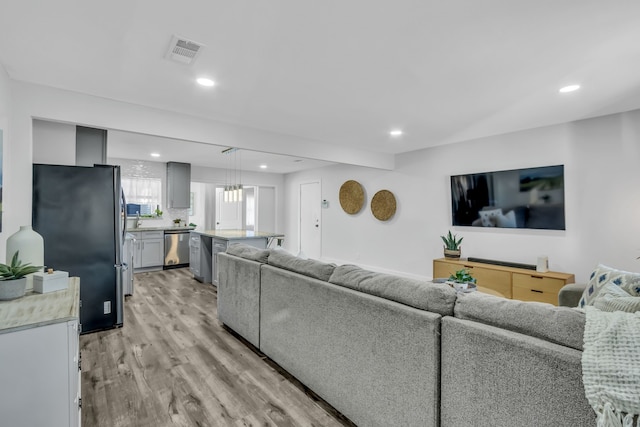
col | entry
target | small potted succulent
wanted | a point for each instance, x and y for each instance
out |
(13, 282)
(463, 281)
(451, 245)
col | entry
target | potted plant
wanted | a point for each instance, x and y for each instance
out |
(13, 282)
(451, 245)
(462, 280)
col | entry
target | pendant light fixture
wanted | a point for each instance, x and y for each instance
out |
(233, 180)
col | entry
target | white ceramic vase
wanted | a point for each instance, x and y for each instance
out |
(29, 243)
(31, 247)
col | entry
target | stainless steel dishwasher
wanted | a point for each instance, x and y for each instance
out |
(176, 248)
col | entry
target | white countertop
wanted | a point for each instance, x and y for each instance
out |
(35, 309)
(239, 234)
(161, 228)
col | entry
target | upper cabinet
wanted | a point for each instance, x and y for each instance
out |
(178, 185)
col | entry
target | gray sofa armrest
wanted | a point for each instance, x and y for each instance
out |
(570, 294)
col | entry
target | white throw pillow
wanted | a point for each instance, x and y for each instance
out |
(627, 281)
(613, 298)
(488, 217)
(507, 220)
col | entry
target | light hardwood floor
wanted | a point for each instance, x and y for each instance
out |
(174, 364)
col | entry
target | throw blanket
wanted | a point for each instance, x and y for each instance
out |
(611, 366)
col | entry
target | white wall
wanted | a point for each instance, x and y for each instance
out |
(602, 190)
(11, 220)
(199, 204)
(54, 143)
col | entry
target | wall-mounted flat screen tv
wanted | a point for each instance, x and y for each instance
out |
(519, 198)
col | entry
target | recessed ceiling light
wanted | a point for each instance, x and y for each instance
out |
(155, 154)
(569, 88)
(396, 133)
(263, 166)
(203, 81)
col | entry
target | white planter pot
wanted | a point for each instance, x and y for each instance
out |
(12, 289)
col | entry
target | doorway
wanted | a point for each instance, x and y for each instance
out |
(310, 224)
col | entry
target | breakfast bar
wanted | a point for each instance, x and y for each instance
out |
(205, 245)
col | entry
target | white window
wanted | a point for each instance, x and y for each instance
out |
(145, 192)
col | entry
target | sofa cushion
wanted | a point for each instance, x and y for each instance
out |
(433, 297)
(560, 325)
(602, 275)
(248, 252)
(308, 267)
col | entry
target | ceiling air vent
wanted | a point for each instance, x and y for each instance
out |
(183, 50)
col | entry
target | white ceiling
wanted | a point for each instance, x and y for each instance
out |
(128, 145)
(341, 72)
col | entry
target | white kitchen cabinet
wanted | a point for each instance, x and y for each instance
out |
(178, 185)
(148, 250)
(40, 369)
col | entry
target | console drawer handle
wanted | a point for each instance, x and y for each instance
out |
(537, 277)
(535, 290)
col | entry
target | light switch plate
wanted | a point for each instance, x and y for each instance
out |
(107, 307)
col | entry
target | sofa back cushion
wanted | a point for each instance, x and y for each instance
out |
(437, 298)
(560, 325)
(248, 252)
(308, 267)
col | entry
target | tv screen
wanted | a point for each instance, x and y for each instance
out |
(519, 198)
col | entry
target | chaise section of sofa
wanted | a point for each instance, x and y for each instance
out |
(507, 363)
(239, 290)
(374, 359)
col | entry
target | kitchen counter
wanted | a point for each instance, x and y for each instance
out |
(161, 228)
(239, 234)
(34, 310)
(205, 245)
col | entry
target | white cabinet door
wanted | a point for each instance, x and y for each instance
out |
(152, 254)
(40, 376)
(137, 254)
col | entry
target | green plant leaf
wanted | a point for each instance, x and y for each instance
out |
(16, 270)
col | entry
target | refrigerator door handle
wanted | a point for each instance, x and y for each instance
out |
(124, 211)
(119, 296)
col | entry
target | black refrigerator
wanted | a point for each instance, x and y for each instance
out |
(79, 213)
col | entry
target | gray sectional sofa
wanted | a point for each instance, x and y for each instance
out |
(391, 351)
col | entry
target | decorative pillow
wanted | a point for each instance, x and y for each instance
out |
(488, 217)
(629, 282)
(507, 220)
(613, 298)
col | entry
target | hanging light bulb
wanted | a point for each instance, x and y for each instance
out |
(233, 177)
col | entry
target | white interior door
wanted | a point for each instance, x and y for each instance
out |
(228, 214)
(310, 224)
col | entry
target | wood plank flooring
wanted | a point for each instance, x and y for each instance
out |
(174, 364)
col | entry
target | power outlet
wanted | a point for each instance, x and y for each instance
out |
(107, 307)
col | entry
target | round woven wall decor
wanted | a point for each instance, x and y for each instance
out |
(383, 205)
(351, 197)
